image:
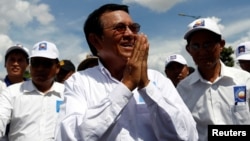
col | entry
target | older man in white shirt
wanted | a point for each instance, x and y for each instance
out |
(120, 99)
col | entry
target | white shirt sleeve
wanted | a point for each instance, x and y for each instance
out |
(5, 111)
(170, 116)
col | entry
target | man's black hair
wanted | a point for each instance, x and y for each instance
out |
(93, 23)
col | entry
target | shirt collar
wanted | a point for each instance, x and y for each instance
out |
(223, 73)
(8, 82)
(56, 89)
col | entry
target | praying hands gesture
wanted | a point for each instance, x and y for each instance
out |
(135, 74)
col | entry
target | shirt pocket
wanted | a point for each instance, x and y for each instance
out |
(241, 114)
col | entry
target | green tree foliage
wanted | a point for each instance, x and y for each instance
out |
(26, 74)
(226, 56)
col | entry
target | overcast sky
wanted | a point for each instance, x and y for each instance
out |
(61, 21)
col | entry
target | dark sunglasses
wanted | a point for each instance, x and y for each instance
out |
(121, 27)
(46, 63)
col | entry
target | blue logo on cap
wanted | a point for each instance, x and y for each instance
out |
(241, 49)
(173, 57)
(199, 23)
(42, 46)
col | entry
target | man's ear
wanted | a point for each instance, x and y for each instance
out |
(222, 44)
(94, 40)
(58, 67)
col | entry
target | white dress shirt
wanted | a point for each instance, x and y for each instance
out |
(32, 114)
(98, 107)
(2, 85)
(215, 103)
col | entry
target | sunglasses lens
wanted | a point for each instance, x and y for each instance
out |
(121, 27)
(135, 27)
(43, 63)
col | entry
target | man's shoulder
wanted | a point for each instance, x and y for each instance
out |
(152, 73)
(59, 85)
(2, 81)
(237, 72)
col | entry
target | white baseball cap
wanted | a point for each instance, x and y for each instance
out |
(201, 24)
(175, 58)
(17, 47)
(243, 51)
(45, 49)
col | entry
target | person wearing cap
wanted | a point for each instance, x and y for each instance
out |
(31, 107)
(215, 93)
(16, 63)
(243, 55)
(120, 98)
(176, 68)
(67, 68)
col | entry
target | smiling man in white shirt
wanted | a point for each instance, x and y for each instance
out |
(120, 99)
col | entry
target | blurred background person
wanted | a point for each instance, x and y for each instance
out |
(191, 70)
(89, 62)
(67, 68)
(243, 55)
(176, 68)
